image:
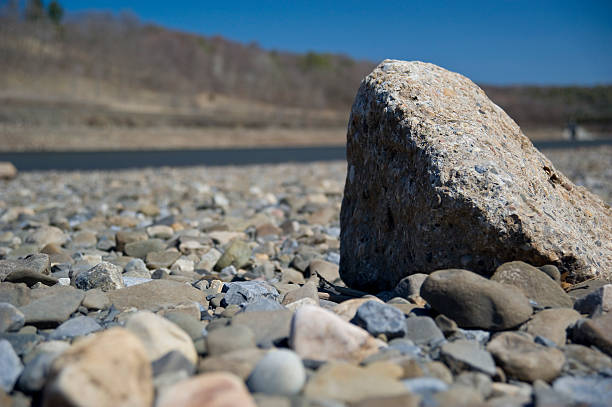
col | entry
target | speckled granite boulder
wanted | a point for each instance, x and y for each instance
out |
(440, 177)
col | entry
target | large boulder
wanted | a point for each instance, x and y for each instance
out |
(440, 177)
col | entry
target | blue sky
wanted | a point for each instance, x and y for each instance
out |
(492, 41)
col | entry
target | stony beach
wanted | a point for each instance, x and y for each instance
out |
(199, 286)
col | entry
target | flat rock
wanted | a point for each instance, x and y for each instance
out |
(78, 326)
(239, 362)
(595, 391)
(280, 372)
(11, 319)
(245, 292)
(30, 278)
(423, 331)
(596, 332)
(552, 324)
(377, 319)
(349, 383)
(580, 290)
(319, 334)
(107, 369)
(45, 235)
(53, 308)
(229, 339)
(207, 390)
(163, 259)
(523, 359)
(475, 302)
(160, 336)
(267, 326)
(141, 248)
(534, 283)
(155, 294)
(96, 299)
(463, 355)
(16, 294)
(237, 255)
(32, 264)
(105, 276)
(597, 302)
(10, 366)
(582, 360)
(329, 271)
(308, 290)
(440, 177)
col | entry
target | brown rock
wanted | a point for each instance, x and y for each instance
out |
(109, 368)
(7, 170)
(523, 359)
(155, 294)
(440, 177)
(239, 362)
(207, 390)
(552, 324)
(596, 331)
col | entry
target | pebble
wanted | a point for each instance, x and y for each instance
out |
(594, 391)
(33, 264)
(552, 324)
(237, 255)
(228, 339)
(107, 369)
(10, 366)
(595, 303)
(160, 336)
(105, 276)
(268, 327)
(280, 372)
(53, 308)
(523, 359)
(155, 294)
(11, 319)
(96, 299)
(409, 286)
(423, 331)
(380, 319)
(239, 362)
(322, 335)
(463, 355)
(78, 326)
(141, 248)
(596, 332)
(248, 292)
(473, 301)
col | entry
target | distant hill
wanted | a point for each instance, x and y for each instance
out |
(117, 62)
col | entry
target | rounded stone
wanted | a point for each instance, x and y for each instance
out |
(280, 372)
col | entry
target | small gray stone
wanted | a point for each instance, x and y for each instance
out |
(425, 386)
(410, 285)
(209, 260)
(135, 265)
(141, 248)
(131, 281)
(476, 380)
(423, 331)
(165, 259)
(581, 360)
(247, 292)
(467, 355)
(308, 290)
(267, 326)
(594, 391)
(262, 304)
(226, 339)
(10, 366)
(30, 278)
(34, 263)
(378, 318)
(173, 361)
(54, 308)
(552, 272)
(74, 327)
(96, 299)
(596, 332)
(237, 254)
(11, 319)
(22, 342)
(16, 294)
(280, 372)
(35, 372)
(105, 276)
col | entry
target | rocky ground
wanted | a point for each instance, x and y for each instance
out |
(204, 286)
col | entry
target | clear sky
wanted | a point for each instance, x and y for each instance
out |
(490, 41)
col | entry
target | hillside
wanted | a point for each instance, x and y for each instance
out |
(98, 71)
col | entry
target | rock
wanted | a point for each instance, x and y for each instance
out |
(245, 292)
(402, 400)
(132, 281)
(123, 237)
(188, 323)
(446, 325)
(207, 390)
(459, 395)
(479, 381)
(440, 177)
(347, 309)
(11, 319)
(45, 235)
(35, 372)
(409, 286)
(237, 254)
(525, 360)
(280, 372)
(585, 288)
(78, 326)
(267, 326)
(30, 278)
(54, 308)
(7, 170)
(109, 368)
(165, 259)
(552, 272)
(24, 341)
(239, 362)
(135, 265)
(308, 290)
(105, 276)
(160, 336)
(475, 302)
(377, 319)
(597, 302)
(319, 334)
(349, 383)
(295, 305)
(209, 260)
(423, 331)
(172, 361)
(141, 248)
(84, 239)
(593, 391)
(535, 284)
(228, 339)
(328, 271)
(155, 294)
(33, 264)
(580, 360)
(425, 386)
(463, 355)
(596, 332)
(552, 324)
(10, 366)
(15, 294)
(96, 299)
